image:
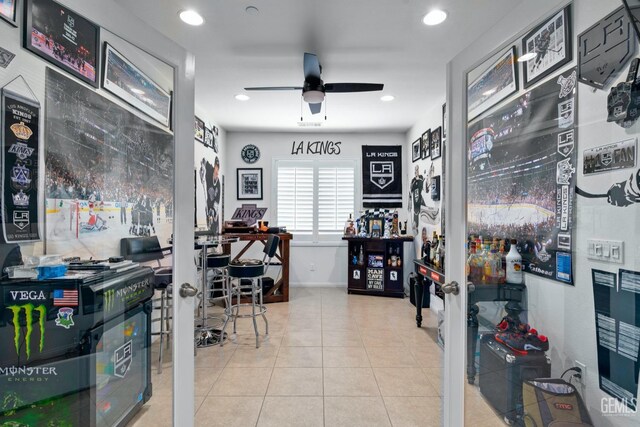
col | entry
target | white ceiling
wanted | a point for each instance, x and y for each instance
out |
(370, 41)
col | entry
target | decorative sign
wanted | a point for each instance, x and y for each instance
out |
(64, 38)
(605, 48)
(21, 136)
(436, 143)
(249, 184)
(249, 213)
(316, 147)
(6, 57)
(250, 153)
(199, 129)
(375, 279)
(521, 169)
(382, 176)
(618, 333)
(619, 155)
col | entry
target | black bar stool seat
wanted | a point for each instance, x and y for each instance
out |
(218, 260)
(246, 268)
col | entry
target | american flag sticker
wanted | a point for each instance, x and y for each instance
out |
(66, 298)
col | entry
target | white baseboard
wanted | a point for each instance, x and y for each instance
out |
(317, 285)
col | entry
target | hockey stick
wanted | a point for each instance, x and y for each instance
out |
(590, 195)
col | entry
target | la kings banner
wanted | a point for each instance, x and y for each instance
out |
(382, 176)
(20, 137)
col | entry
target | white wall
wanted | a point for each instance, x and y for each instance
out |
(566, 313)
(431, 120)
(330, 259)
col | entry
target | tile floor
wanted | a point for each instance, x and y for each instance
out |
(330, 359)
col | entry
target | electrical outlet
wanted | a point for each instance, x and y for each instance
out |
(312, 267)
(583, 374)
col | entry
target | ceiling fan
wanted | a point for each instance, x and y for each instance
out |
(314, 89)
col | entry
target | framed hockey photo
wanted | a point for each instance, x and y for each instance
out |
(426, 145)
(208, 138)
(436, 143)
(497, 82)
(249, 184)
(8, 10)
(416, 150)
(199, 129)
(64, 38)
(126, 81)
(445, 118)
(550, 42)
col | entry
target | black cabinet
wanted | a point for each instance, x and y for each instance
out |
(376, 266)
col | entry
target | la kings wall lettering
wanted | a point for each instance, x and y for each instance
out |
(316, 147)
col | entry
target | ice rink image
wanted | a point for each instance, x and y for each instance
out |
(517, 214)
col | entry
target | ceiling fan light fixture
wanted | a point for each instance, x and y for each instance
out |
(313, 96)
(435, 17)
(191, 17)
(242, 97)
(387, 98)
(527, 57)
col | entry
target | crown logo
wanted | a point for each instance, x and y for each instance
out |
(20, 199)
(21, 131)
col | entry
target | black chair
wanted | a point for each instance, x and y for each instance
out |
(147, 249)
(252, 271)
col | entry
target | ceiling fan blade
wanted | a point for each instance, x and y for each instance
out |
(315, 108)
(311, 66)
(274, 88)
(352, 87)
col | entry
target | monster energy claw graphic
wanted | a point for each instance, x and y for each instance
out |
(29, 309)
(109, 299)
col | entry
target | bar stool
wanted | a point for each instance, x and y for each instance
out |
(206, 333)
(252, 270)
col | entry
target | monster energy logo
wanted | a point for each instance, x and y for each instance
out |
(109, 299)
(17, 332)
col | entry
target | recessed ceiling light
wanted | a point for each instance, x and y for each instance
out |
(191, 17)
(435, 17)
(242, 97)
(387, 98)
(527, 57)
(252, 10)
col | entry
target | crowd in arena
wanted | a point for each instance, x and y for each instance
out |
(538, 192)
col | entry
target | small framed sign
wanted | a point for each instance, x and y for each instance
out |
(199, 129)
(436, 143)
(416, 150)
(249, 184)
(426, 144)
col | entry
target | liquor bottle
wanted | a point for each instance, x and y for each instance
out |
(398, 257)
(436, 258)
(389, 262)
(434, 248)
(514, 265)
(474, 265)
(361, 256)
(354, 255)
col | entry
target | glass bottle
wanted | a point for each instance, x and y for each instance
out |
(514, 265)
(361, 256)
(434, 248)
(441, 251)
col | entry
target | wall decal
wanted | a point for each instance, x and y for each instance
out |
(622, 194)
(316, 147)
(210, 179)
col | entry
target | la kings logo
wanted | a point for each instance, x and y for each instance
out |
(567, 84)
(21, 150)
(381, 174)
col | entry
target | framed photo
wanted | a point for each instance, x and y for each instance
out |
(496, 83)
(199, 129)
(426, 145)
(8, 10)
(64, 38)
(216, 149)
(127, 82)
(436, 144)
(208, 137)
(249, 183)
(551, 42)
(416, 150)
(445, 119)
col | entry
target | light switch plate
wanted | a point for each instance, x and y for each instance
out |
(606, 250)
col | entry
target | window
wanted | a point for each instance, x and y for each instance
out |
(315, 197)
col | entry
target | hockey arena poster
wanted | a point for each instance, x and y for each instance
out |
(20, 152)
(109, 173)
(521, 176)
